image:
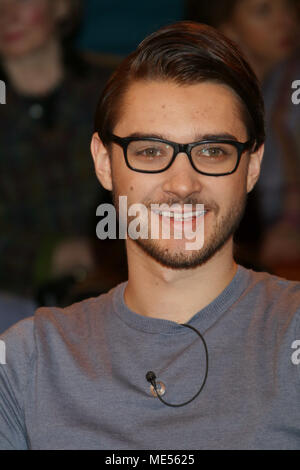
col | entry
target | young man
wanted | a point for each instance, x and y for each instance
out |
(221, 340)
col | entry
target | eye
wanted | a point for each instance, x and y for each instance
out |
(150, 152)
(215, 151)
(211, 152)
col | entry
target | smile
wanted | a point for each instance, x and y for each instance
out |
(180, 215)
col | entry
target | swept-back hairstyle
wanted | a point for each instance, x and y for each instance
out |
(186, 53)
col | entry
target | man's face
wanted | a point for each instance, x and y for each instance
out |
(183, 114)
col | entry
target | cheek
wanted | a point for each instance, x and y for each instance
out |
(124, 182)
(129, 183)
(231, 191)
(136, 188)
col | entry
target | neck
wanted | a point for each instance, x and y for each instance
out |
(176, 295)
(38, 72)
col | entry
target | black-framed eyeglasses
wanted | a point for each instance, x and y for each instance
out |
(208, 157)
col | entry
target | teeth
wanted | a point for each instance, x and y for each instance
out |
(179, 215)
(188, 215)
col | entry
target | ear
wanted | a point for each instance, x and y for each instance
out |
(102, 162)
(254, 165)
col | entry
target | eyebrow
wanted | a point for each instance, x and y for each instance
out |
(198, 137)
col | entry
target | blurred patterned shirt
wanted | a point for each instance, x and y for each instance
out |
(48, 188)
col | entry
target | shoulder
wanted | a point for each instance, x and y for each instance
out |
(19, 338)
(274, 301)
(22, 339)
(274, 286)
(78, 316)
(49, 334)
(17, 347)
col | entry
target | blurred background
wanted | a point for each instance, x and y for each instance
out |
(55, 57)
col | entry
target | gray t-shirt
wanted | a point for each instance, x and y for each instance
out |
(74, 378)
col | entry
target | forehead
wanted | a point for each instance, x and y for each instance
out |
(180, 112)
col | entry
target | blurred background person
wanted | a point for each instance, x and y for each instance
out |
(48, 190)
(55, 56)
(267, 31)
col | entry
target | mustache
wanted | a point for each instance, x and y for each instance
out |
(172, 200)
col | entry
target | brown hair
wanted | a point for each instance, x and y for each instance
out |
(186, 53)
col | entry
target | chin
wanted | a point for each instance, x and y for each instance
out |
(176, 258)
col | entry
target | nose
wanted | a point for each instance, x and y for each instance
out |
(181, 179)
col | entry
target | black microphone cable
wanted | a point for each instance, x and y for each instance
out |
(151, 377)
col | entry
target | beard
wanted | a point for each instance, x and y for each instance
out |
(222, 230)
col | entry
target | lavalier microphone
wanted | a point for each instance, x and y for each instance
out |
(151, 377)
